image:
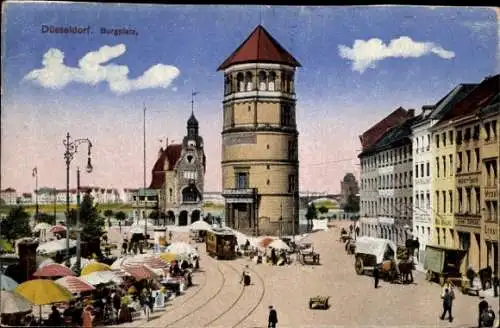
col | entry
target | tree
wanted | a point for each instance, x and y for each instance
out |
(352, 204)
(120, 216)
(16, 225)
(323, 209)
(108, 213)
(311, 213)
(92, 223)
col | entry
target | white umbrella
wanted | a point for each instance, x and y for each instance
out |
(83, 261)
(200, 225)
(279, 244)
(101, 277)
(7, 283)
(45, 261)
(181, 248)
(42, 226)
(55, 246)
(11, 302)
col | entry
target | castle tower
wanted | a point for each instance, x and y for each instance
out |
(260, 167)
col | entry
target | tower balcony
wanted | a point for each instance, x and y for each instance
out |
(240, 195)
(259, 94)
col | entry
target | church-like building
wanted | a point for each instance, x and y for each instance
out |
(260, 165)
(179, 174)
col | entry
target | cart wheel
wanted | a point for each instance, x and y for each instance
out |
(310, 305)
(359, 266)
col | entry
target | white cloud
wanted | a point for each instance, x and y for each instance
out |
(365, 54)
(92, 69)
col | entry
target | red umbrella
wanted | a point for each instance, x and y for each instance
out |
(74, 284)
(53, 270)
(266, 241)
(139, 272)
(58, 228)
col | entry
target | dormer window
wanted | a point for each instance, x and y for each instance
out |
(262, 81)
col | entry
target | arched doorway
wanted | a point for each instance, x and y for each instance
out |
(183, 218)
(170, 217)
(195, 216)
(190, 194)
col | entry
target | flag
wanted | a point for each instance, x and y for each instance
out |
(194, 93)
(35, 172)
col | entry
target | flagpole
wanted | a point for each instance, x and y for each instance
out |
(144, 178)
(35, 175)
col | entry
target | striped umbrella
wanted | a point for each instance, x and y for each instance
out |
(58, 228)
(53, 270)
(139, 272)
(74, 284)
(152, 261)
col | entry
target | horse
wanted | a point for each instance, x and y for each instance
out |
(405, 270)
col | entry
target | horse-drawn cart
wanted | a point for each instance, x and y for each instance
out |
(371, 252)
(443, 263)
(319, 302)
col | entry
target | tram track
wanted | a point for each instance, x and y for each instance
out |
(259, 301)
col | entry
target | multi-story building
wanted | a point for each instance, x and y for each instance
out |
(371, 181)
(26, 198)
(260, 166)
(489, 117)
(179, 175)
(9, 196)
(214, 197)
(457, 186)
(128, 195)
(144, 202)
(422, 163)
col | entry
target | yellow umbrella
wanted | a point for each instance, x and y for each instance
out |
(94, 267)
(168, 257)
(43, 291)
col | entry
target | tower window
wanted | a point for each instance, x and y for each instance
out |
(271, 81)
(248, 81)
(262, 81)
(291, 183)
(242, 180)
(286, 115)
(241, 82)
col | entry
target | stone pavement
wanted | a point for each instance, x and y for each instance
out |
(219, 300)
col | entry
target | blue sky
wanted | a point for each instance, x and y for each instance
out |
(340, 94)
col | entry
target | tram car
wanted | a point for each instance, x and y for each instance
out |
(221, 244)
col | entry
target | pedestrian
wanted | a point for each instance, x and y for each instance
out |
(487, 318)
(376, 275)
(144, 302)
(482, 307)
(447, 304)
(357, 231)
(124, 246)
(273, 317)
(87, 317)
(170, 235)
(120, 225)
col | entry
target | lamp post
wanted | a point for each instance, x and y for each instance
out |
(71, 150)
(35, 175)
(78, 228)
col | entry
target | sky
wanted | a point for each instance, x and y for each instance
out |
(358, 65)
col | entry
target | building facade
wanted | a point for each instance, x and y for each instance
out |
(423, 206)
(179, 175)
(349, 187)
(459, 193)
(8, 196)
(386, 177)
(260, 166)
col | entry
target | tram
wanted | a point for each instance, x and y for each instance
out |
(221, 244)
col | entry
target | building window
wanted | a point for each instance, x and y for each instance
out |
(272, 81)
(240, 82)
(459, 137)
(475, 134)
(468, 200)
(262, 81)
(416, 170)
(477, 192)
(444, 201)
(170, 195)
(468, 159)
(487, 130)
(444, 139)
(478, 159)
(428, 199)
(291, 150)
(437, 167)
(291, 183)
(428, 169)
(190, 175)
(450, 133)
(241, 180)
(437, 201)
(467, 135)
(459, 162)
(437, 140)
(460, 200)
(286, 115)
(444, 166)
(248, 81)
(451, 164)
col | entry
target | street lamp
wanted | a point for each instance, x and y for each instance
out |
(71, 150)
(35, 175)
(78, 228)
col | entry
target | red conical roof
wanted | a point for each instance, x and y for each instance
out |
(260, 47)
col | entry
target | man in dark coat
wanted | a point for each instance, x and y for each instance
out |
(376, 275)
(273, 317)
(447, 304)
(483, 306)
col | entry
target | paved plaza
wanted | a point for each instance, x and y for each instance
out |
(218, 300)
